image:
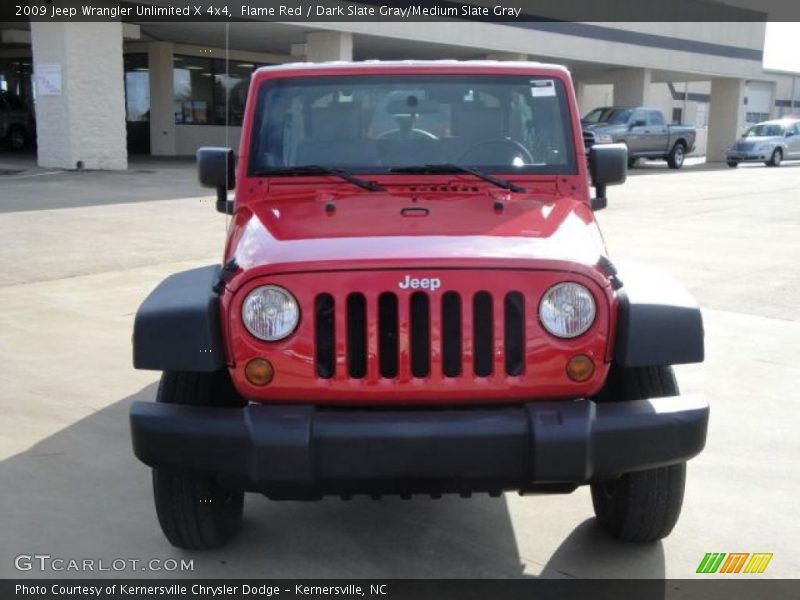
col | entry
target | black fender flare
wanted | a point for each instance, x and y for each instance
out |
(177, 327)
(658, 320)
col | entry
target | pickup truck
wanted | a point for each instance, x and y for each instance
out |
(644, 131)
(414, 298)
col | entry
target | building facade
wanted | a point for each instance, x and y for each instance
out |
(102, 91)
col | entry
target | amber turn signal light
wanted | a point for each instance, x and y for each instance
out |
(580, 368)
(259, 371)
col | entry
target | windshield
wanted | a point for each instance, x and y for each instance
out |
(596, 116)
(374, 123)
(764, 130)
(614, 116)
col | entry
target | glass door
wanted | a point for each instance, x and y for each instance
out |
(137, 103)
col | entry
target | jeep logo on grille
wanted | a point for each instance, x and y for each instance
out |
(423, 283)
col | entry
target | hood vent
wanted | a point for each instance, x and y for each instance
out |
(448, 188)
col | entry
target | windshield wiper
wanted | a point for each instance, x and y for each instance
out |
(320, 170)
(447, 168)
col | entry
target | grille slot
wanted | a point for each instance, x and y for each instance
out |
(357, 335)
(482, 333)
(388, 335)
(420, 335)
(324, 336)
(451, 334)
(514, 343)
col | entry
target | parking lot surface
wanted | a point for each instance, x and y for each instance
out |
(81, 250)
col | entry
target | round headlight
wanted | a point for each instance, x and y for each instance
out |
(567, 310)
(270, 313)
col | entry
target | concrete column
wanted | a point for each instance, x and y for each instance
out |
(593, 95)
(323, 46)
(632, 87)
(580, 96)
(725, 116)
(162, 99)
(82, 124)
(512, 56)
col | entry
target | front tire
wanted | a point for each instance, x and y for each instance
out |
(732, 163)
(776, 158)
(196, 512)
(643, 506)
(16, 139)
(676, 156)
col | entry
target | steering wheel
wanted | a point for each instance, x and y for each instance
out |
(493, 152)
(411, 134)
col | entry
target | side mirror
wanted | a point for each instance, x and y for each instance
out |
(216, 168)
(638, 123)
(608, 165)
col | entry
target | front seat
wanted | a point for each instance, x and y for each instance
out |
(335, 138)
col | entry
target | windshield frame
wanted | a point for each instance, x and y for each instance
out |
(259, 111)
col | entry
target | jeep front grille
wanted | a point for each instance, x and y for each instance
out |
(407, 331)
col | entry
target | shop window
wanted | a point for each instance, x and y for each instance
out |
(677, 116)
(756, 117)
(205, 86)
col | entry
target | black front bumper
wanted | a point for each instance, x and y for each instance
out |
(304, 451)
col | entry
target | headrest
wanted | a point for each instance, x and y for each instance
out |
(339, 121)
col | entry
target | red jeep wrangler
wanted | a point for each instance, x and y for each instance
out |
(415, 299)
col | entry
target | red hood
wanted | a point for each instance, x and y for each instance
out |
(293, 232)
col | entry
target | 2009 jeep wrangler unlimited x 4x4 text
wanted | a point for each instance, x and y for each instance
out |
(415, 298)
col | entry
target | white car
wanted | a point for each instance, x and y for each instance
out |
(769, 142)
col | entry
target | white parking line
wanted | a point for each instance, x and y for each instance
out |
(28, 175)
